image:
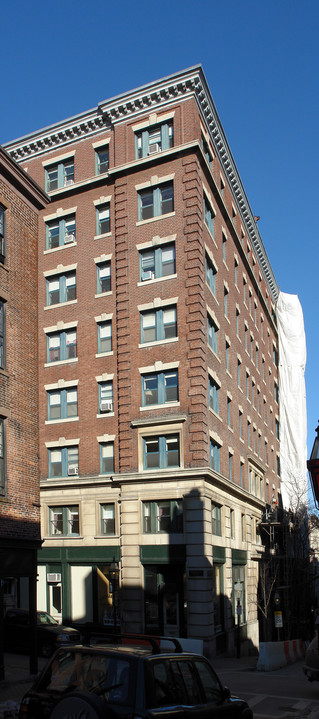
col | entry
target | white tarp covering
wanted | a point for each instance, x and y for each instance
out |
(292, 401)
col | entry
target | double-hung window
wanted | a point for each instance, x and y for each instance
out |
(104, 330)
(213, 395)
(106, 457)
(2, 334)
(101, 160)
(64, 521)
(2, 456)
(63, 461)
(215, 455)
(61, 288)
(62, 403)
(209, 216)
(212, 332)
(160, 388)
(60, 232)
(216, 520)
(106, 396)
(161, 452)
(163, 516)
(159, 325)
(103, 277)
(154, 139)
(156, 201)
(2, 233)
(60, 174)
(206, 151)
(107, 518)
(210, 274)
(103, 222)
(157, 262)
(61, 346)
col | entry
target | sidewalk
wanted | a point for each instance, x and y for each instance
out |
(16, 682)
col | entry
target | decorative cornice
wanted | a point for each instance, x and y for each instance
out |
(159, 94)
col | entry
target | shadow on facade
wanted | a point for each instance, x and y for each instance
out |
(19, 543)
(181, 591)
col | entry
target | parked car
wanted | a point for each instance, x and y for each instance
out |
(311, 665)
(102, 680)
(50, 634)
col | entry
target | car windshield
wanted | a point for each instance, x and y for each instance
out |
(44, 618)
(109, 677)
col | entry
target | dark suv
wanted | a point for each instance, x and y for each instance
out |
(130, 682)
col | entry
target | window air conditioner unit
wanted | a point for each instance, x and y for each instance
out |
(69, 238)
(154, 148)
(52, 578)
(73, 469)
(148, 275)
(106, 405)
(67, 183)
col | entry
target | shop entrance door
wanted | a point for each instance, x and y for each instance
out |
(163, 590)
(55, 598)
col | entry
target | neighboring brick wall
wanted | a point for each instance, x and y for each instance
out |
(19, 509)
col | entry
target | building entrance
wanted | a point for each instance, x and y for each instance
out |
(163, 600)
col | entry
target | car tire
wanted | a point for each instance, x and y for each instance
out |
(46, 648)
(79, 705)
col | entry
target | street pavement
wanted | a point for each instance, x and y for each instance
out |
(279, 694)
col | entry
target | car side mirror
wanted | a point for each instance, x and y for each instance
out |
(225, 693)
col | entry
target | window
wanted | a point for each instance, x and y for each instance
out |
(61, 346)
(156, 201)
(237, 321)
(234, 213)
(60, 232)
(154, 139)
(216, 520)
(209, 216)
(63, 461)
(61, 288)
(157, 262)
(2, 455)
(64, 521)
(224, 240)
(276, 392)
(210, 274)
(215, 455)
(243, 527)
(208, 154)
(161, 451)
(106, 457)
(227, 356)
(230, 466)
(159, 388)
(277, 427)
(240, 423)
(212, 331)
(225, 301)
(103, 270)
(2, 334)
(2, 233)
(62, 403)
(107, 514)
(104, 337)
(278, 464)
(238, 372)
(232, 523)
(241, 474)
(159, 325)
(106, 396)
(222, 186)
(101, 160)
(103, 223)
(247, 385)
(59, 175)
(228, 411)
(248, 432)
(235, 271)
(213, 395)
(164, 516)
(244, 289)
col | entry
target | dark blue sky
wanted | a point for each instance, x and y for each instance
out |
(260, 58)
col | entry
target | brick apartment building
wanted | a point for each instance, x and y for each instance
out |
(158, 368)
(20, 202)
